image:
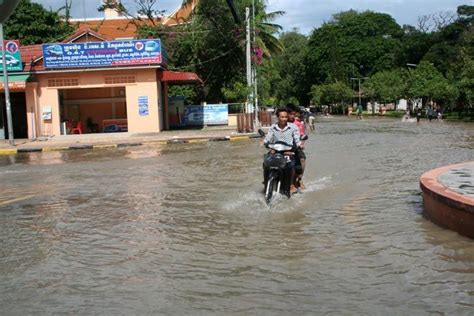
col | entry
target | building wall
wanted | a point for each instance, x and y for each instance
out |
(137, 82)
(31, 93)
(148, 87)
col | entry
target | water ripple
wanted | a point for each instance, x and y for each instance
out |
(183, 229)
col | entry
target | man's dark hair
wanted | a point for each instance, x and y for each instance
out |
(279, 110)
(292, 108)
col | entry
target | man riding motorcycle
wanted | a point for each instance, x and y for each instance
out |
(284, 132)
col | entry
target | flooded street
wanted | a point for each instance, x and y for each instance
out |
(183, 229)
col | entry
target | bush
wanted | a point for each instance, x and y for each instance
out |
(394, 114)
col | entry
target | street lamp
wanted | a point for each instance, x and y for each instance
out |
(7, 8)
(359, 79)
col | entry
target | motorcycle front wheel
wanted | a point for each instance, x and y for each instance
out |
(270, 187)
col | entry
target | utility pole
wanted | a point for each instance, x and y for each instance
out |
(255, 91)
(7, 8)
(11, 140)
(360, 97)
(247, 54)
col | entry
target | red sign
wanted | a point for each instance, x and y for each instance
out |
(12, 46)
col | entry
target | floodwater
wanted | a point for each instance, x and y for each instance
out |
(183, 229)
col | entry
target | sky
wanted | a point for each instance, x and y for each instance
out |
(305, 15)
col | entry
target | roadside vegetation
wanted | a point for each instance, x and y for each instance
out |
(431, 61)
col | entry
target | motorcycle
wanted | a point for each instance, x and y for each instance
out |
(277, 177)
(276, 174)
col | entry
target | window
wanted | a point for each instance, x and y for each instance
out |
(119, 79)
(63, 82)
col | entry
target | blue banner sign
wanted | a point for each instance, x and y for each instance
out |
(143, 105)
(102, 54)
(209, 114)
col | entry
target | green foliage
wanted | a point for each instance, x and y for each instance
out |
(443, 91)
(188, 92)
(413, 47)
(269, 77)
(236, 92)
(353, 44)
(426, 82)
(294, 68)
(331, 93)
(394, 114)
(32, 24)
(466, 84)
(290, 81)
(386, 86)
(213, 46)
(466, 10)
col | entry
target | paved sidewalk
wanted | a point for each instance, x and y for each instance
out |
(111, 140)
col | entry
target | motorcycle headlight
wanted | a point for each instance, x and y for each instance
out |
(275, 161)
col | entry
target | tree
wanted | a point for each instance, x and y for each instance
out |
(353, 44)
(413, 47)
(386, 86)
(290, 65)
(32, 24)
(453, 44)
(336, 93)
(265, 30)
(466, 84)
(212, 44)
(427, 83)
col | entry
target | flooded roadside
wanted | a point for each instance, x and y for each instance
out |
(180, 229)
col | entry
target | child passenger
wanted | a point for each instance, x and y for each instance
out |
(300, 154)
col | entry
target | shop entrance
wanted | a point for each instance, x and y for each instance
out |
(93, 110)
(19, 119)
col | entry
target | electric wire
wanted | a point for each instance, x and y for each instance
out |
(206, 61)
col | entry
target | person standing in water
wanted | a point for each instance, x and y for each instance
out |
(359, 111)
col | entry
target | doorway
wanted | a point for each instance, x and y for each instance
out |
(19, 118)
(94, 110)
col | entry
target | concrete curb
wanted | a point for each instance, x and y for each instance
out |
(444, 206)
(8, 151)
(14, 151)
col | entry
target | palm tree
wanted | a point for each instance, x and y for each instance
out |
(265, 31)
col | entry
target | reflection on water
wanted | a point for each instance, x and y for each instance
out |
(183, 229)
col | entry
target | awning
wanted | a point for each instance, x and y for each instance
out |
(16, 82)
(176, 77)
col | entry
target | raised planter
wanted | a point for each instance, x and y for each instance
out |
(448, 197)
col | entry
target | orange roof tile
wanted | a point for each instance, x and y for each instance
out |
(86, 31)
(115, 28)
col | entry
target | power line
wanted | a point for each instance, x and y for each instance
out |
(206, 61)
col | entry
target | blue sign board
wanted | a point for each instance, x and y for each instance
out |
(209, 114)
(143, 105)
(102, 54)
